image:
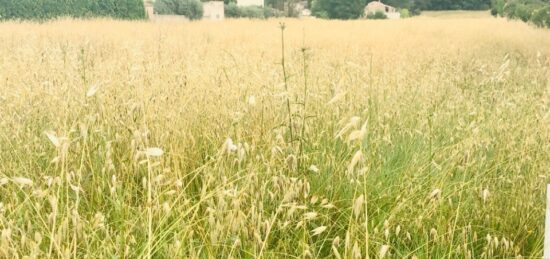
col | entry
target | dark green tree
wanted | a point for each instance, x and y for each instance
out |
(418, 5)
(47, 9)
(192, 9)
(338, 9)
(541, 17)
(378, 15)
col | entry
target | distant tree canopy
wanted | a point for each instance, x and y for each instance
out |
(351, 9)
(534, 11)
(47, 9)
(419, 5)
(285, 6)
(255, 12)
(378, 15)
(338, 9)
(192, 9)
(455, 5)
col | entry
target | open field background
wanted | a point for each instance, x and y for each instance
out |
(422, 137)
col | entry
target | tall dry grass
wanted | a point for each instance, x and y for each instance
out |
(415, 138)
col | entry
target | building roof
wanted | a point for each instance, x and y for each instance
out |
(378, 3)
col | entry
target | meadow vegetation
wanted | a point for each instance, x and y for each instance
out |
(416, 138)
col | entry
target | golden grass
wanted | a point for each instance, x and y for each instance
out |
(419, 137)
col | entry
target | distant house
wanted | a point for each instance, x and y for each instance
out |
(259, 3)
(149, 9)
(302, 9)
(377, 6)
(213, 10)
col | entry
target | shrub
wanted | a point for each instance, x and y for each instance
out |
(378, 15)
(524, 12)
(497, 7)
(272, 12)
(338, 9)
(405, 13)
(254, 12)
(541, 17)
(534, 11)
(47, 9)
(231, 10)
(192, 9)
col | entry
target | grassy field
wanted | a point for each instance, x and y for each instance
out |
(416, 138)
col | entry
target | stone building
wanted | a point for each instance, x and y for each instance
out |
(377, 6)
(213, 10)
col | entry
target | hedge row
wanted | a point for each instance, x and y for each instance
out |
(47, 9)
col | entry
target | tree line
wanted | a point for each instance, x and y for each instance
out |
(47, 9)
(353, 9)
(450, 4)
(534, 11)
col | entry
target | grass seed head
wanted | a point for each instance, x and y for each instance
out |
(22, 181)
(318, 230)
(383, 251)
(92, 91)
(153, 152)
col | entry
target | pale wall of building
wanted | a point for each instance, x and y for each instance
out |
(378, 6)
(213, 10)
(390, 11)
(149, 9)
